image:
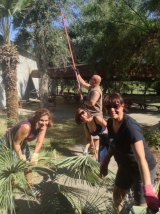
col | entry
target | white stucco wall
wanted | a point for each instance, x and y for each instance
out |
(24, 70)
(24, 83)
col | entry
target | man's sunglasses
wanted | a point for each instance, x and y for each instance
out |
(115, 106)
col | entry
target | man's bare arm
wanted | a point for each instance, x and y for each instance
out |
(83, 83)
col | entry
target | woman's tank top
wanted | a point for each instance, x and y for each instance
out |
(98, 130)
(10, 134)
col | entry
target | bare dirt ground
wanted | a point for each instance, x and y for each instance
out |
(65, 112)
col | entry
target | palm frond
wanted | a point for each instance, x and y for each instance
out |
(94, 203)
(21, 5)
(82, 168)
(65, 199)
(11, 176)
(2, 6)
(54, 199)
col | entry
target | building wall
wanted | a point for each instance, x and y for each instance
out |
(24, 81)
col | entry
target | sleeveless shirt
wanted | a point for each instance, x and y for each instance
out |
(100, 131)
(97, 108)
(11, 133)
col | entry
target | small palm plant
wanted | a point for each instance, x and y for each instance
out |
(74, 187)
(84, 168)
(11, 178)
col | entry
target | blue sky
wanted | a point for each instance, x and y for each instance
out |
(13, 34)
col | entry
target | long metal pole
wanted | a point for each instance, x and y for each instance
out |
(71, 53)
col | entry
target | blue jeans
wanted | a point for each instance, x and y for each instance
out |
(102, 153)
(103, 146)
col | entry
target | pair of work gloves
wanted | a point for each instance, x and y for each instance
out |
(153, 202)
(34, 158)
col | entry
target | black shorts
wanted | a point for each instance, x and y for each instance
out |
(127, 178)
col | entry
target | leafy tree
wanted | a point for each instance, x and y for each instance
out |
(46, 39)
(118, 36)
(152, 6)
(156, 87)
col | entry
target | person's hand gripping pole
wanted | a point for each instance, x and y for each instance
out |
(71, 54)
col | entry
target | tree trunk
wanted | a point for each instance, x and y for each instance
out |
(44, 81)
(12, 106)
(43, 88)
(41, 55)
(9, 60)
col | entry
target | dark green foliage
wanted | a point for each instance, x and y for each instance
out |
(156, 87)
(119, 36)
(153, 138)
(39, 32)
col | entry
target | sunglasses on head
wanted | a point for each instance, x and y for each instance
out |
(115, 106)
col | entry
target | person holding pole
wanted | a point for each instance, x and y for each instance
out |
(94, 97)
(93, 102)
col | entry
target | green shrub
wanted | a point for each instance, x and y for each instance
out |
(156, 87)
(153, 138)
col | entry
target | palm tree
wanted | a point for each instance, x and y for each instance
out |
(9, 55)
